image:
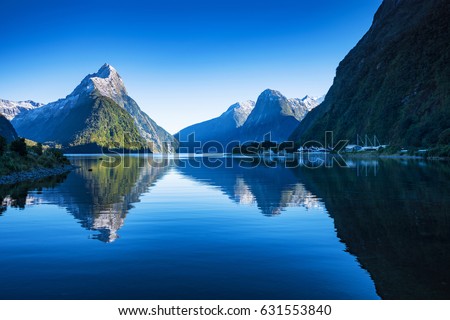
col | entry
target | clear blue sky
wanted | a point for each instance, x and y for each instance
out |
(182, 61)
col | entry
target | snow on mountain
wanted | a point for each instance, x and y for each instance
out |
(106, 76)
(275, 114)
(240, 111)
(220, 129)
(105, 82)
(10, 109)
(300, 107)
(320, 99)
(309, 102)
(249, 121)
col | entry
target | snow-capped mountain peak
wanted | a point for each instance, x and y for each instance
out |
(107, 82)
(105, 71)
(320, 99)
(10, 109)
(271, 94)
(241, 111)
(309, 102)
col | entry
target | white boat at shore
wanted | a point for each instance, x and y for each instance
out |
(314, 150)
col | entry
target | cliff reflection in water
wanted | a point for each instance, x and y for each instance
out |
(394, 217)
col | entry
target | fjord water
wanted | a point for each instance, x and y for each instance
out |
(178, 229)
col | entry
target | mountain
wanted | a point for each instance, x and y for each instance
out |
(10, 109)
(96, 114)
(319, 99)
(7, 130)
(275, 114)
(305, 105)
(249, 121)
(98, 121)
(221, 129)
(394, 83)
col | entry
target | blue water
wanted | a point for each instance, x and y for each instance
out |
(145, 232)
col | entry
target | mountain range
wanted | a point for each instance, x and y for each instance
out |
(221, 129)
(273, 114)
(395, 83)
(10, 109)
(98, 113)
(276, 115)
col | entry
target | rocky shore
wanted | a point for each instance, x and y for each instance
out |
(35, 174)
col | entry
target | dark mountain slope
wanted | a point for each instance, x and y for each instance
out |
(395, 83)
(222, 129)
(7, 130)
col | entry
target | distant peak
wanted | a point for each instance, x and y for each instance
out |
(105, 71)
(249, 104)
(270, 95)
(106, 81)
(106, 66)
(271, 92)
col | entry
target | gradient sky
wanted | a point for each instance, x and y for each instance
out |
(182, 61)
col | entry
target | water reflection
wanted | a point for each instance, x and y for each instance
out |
(98, 196)
(392, 215)
(395, 220)
(272, 189)
(16, 196)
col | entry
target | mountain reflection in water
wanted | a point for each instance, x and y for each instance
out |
(392, 215)
(271, 189)
(98, 196)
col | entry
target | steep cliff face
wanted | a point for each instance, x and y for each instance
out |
(6, 129)
(403, 241)
(395, 83)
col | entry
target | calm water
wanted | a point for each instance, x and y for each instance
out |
(379, 229)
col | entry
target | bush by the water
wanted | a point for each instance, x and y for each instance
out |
(19, 146)
(20, 157)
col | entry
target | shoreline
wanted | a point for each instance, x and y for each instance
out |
(35, 174)
(383, 156)
(393, 156)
